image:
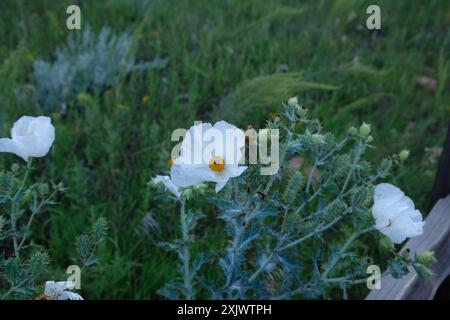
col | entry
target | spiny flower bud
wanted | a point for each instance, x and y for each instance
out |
(369, 139)
(200, 188)
(426, 258)
(39, 262)
(60, 187)
(15, 168)
(293, 102)
(317, 139)
(364, 129)
(187, 193)
(293, 187)
(403, 155)
(43, 189)
(352, 131)
(424, 272)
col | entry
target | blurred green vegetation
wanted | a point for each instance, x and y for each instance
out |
(235, 60)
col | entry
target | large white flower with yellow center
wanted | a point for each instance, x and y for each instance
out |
(209, 153)
(395, 214)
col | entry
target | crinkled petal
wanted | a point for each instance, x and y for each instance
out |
(8, 145)
(190, 175)
(167, 182)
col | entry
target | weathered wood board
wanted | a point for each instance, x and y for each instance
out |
(436, 237)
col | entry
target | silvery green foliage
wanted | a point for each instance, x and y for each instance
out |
(88, 62)
(23, 262)
(305, 232)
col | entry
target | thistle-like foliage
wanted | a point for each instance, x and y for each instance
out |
(88, 62)
(23, 262)
(304, 231)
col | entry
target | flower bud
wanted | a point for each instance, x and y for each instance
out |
(369, 139)
(317, 139)
(60, 187)
(424, 272)
(364, 129)
(187, 193)
(293, 102)
(200, 188)
(250, 135)
(15, 168)
(426, 258)
(352, 131)
(301, 112)
(403, 155)
(43, 189)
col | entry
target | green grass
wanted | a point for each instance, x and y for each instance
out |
(224, 62)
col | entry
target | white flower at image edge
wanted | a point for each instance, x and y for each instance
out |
(58, 290)
(165, 180)
(209, 154)
(31, 137)
(395, 214)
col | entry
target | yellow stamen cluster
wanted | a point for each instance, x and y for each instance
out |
(217, 164)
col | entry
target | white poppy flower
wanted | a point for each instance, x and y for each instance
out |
(30, 137)
(165, 180)
(58, 290)
(209, 153)
(395, 214)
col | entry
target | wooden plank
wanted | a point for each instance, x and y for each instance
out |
(436, 237)
(441, 186)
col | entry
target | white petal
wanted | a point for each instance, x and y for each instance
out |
(190, 175)
(167, 182)
(8, 145)
(69, 295)
(395, 214)
(33, 136)
(191, 149)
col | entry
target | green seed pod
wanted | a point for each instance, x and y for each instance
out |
(362, 196)
(334, 209)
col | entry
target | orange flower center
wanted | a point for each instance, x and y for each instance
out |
(217, 164)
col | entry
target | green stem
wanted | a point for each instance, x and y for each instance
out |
(15, 210)
(296, 242)
(186, 253)
(333, 263)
